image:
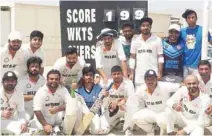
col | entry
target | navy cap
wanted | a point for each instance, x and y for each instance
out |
(9, 75)
(150, 72)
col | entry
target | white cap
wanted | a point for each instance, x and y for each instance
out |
(108, 31)
(175, 27)
(15, 35)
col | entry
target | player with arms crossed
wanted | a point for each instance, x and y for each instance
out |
(30, 84)
(115, 103)
(146, 53)
(151, 98)
(12, 104)
(49, 103)
(188, 106)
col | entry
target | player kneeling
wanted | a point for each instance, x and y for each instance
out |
(49, 105)
(188, 106)
(12, 104)
(154, 95)
(114, 104)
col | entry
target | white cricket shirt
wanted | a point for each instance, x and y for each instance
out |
(146, 55)
(107, 59)
(38, 53)
(16, 64)
(29, 88)
(44, 100)
(192, 109)
(70, 74)
(157, 100)
(14, 102)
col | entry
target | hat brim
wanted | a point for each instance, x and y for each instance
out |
(114, 32)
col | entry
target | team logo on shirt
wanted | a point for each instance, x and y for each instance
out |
(65, 71)
(178, 47)
(47, 98)
(185, 99)
(2, 101)
(190, 41)
(28, 86)
(145, 97)
(6, 59)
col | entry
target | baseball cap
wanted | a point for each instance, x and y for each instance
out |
(150, 72)
(108, 32)
(9, 75)
(15, 35)
(175, 27)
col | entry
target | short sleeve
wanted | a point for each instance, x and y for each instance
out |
(121, 54)
(98, 57)
(159, 46)
(133, 47)
(37, 101)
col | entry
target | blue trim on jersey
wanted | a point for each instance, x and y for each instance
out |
(90, 97)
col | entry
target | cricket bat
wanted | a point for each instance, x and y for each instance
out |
(93, 110)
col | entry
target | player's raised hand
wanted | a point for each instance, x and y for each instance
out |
(208, 111)
(47, 128)
(53, 110)
(105, 93)
(24, 128)
(7, 114)
(177, 107)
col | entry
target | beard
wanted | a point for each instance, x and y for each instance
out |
(16, 48)
(33, 73)
(53, 85)
(145, 32)
(9, 87)
(129, 37)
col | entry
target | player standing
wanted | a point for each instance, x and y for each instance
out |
(173, 48)
(109, 54)
(192, 37)
(146, 53)
(13, 57)
(34, 47)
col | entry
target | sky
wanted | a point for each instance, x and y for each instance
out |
(173, 7)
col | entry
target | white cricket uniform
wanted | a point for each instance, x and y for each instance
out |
(16, 64)
(146, 55)
(44, 100)
(70, 75)
(125, 90)
(155, 105)
(38, 53)
(29, 88)
(107, 59)
(15, 103)
(192, 118)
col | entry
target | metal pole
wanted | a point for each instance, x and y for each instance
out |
(205, 30)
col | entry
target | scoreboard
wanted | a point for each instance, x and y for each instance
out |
(82, 21)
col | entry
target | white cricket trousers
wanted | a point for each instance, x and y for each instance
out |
(11, 125)
(177, 118)
(106, 122)
(145, 118)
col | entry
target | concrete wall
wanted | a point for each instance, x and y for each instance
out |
(45, 19)
(160, 24)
